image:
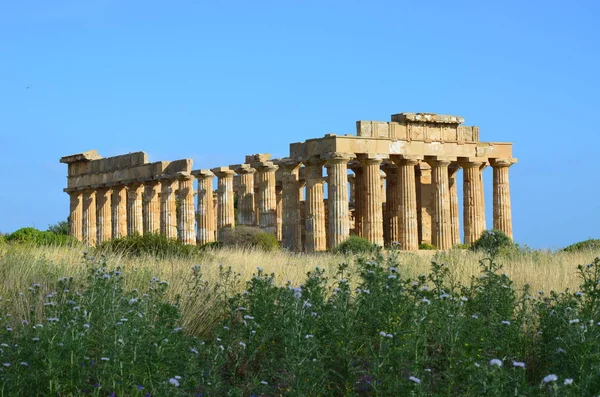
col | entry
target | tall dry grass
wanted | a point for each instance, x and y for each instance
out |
(22, 266)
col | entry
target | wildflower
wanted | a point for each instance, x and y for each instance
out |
(425, 300)
(241, 309)
(505, 322)
(475, 316)
(218, 339)
(477, 365)
(550, 378)
(366, 291)
(6, 364)
(382, 334)
(393, 269)
(561, 350)
(23, 363)
(132, 301)
(243, 345)
(518, 364)
(428, 369)
(568, 381)
(86, 325)
(464, 298)
(53, 319)
(193, 350)
(416, 380)
(177, 329)
(297, 293)
(9, 329)
(574, 321)
(579, 293)
(174, 382)
(248, 317)
(104, 358)
(262, 382)
(36, 285)
(444, 296)
(35, 339)
(221, 347)
(307, 304)
(140, 387)
(392, 276)
(309, 336)
(424, 288)
(495, 362)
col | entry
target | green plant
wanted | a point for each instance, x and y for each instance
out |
(462, 246)
(591, 244)
(248, 237)
(154, 244)
(426, 246)
(492, 242)
(30, 235)
(61, 228)
(355, 245)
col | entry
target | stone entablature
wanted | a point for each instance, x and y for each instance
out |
(395, 182)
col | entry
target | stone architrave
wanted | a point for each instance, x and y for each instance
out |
(168, 210)
(357, 168)
(246, 195)
(187, 219)
(225, 209)
(407, 203)
(337, 196)
(151, 208)
(315, 236)
(89, 217)
(454, 211)
(76, 214)
(391, 218)
(372, 223)
(291, 228)
(266, 199)
(104, 214)
(135, 223)
(502, 205)
(442, 222)
(207, 222)
(473, 206)
(119, 211)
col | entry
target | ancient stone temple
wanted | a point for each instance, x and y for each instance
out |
(391, 183)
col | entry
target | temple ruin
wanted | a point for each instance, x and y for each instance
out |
(391, 183)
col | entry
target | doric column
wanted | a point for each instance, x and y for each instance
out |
(207, 223)
(246, 195)
(151, 209)
(186, 221)
(454, 212)
(119, 211)
(266, 197)
(351, 178)
(225, 210)
(75, 214)
(473, 207)
(391, 218)
(135, 223)
(291, 228)
(279, 212)
(502, 206)
(407, 203)
(89, 217)
(424, 202)
(314, 207)
(372, 223)
(168, 210)
(357, 168)
(337, 196)
(442, 226)
(104, 214)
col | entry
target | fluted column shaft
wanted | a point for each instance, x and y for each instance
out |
(75, 215)
(151, 210)
(337, 195)
(135, 224)
(372, 224)
(315, 237)
(168, 210)
(119, 211)
(357, 168)
(266, 198)
(104, 215)
(454, 212)
(246, 195)
(207, 224)
(89, 217)
(502, 205)
(186, 221)
(225, 210)
(291, 228)
(442, 222)
(473, 206)
(407, 205)
(391, 227)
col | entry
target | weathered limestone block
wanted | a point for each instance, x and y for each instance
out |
(315, 237)
(135, 223)
(502, 205)
(225, 210)
(207, 222)
(119, 211)
(151, 209)
(474, 208)
(407, 203)
(337, 192)
(246, 194)
(76, 214)
(89, 217)
(104, 214)
(168, 210)
(186, 221)
(442, 222)
(372, 223)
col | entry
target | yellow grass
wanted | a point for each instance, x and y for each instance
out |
(20, 267)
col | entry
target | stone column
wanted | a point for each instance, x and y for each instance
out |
(337, 196)
(135, 223)
(315, 208)
(391, 227)
(372, 223)
(119, 211)
(351, 178)
(186, 221)
(246, 195)
(207, 223)
(225, 210)
(151, 208)
(279, 212)
(502, 206)
(168, 210)
(266, 198)
(104, 214)
(75, 214)
(442, 222)
(454, 212)
(407, 204)
(291, 228)
(89, 217)
(357, 168)
(473, 207)
(424, 202)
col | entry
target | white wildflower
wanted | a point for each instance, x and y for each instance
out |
(475, 316)
(193, 350)
(568, 381)
(248, 317)
(174, 382)
(496, 362)
(243, 345)
(262, 382)
(505, 322)
(425, 300)
(574, 321)
(309, 336)
(416, 380)
(550, 378)
(104, 358)
(23, 363)
(518, 364)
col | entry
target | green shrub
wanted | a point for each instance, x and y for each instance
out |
(30, 235)
(249, 237)
(491, 242)
(426, 246)
(154, 244)
(355, 245)
(591, 244)
(462, 246)
(59, 228)
(213, 245)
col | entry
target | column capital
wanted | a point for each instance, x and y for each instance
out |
(203, 174)
(151, 182)
(287, 163)
(404, 159)
(222, 172)
(371, 158)
(472, 162)
(337, 157)
(184, 176)
(501, 163)
(265, 166)
(438, 161)
(243, 169)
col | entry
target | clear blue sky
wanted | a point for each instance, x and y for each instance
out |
(217, 80)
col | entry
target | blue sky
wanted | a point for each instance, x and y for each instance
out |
(214, 81)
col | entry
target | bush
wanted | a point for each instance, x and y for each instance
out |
(426, 246)
(355, 245)
(249, 237)
(462, 246)
(591, 244)
(154, 244)
(30, 235)
(59, 228)
(491, 242)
